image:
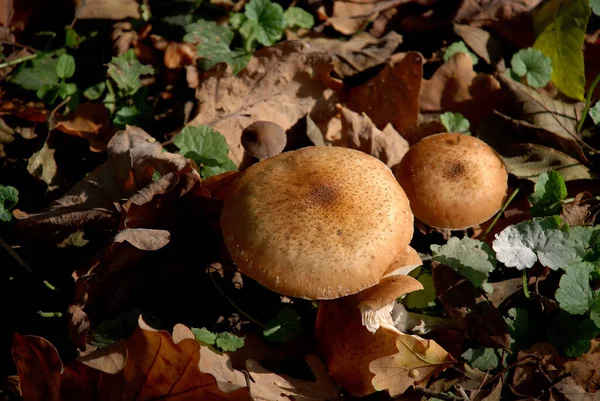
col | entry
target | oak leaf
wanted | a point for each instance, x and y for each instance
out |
(349, 17)
(417, 360)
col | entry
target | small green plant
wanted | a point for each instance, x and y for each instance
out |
(549, 192)
(224, 341)
(533, 66)
(455, 122)
(9, 196)
(459, 47)
(284, 326)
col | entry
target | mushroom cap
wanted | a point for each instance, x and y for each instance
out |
(316, 223)
(263, 139)
(453, 181)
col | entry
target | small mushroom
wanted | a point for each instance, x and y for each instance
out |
(261, 140)
(454, 181)
(320, 222)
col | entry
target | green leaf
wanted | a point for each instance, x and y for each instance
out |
(455, 122)
(560, 27)
(9, 196)
(595, 312)
(594, 111)
(47, 94)
(203, 145)
(424, 298)
(95, 91)
(595, 4)
(522, 244)
(574, 293)
(205, 336)
(65, 90)
(471, 258)
(229, 342)
(127, 115)
(296, 17)
(65, 66)
(236, 20)
(126, 70)
(519, 326)
(269, 21)
(208, 171)
(37, 73)
(72, 38)
(284, 326)
(213, 53)
(203, 31)
(549, 191)
(570, 335)
(120, 326)
(482, 358)
(534, 65)
(458, 47)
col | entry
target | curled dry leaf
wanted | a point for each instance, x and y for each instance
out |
(392, 96)
(555, 120)
(281, 84)
(456, 87)
(415, 363)
(87, 121)
(361, 52)
(156, 366)
(267, 386)
(133, 156)
(350, 17)
(359, 132)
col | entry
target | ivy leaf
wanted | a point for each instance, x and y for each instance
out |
(574, 293)
(550, 190)
(37, 73)
(229, 342)
(65, 66)
(560, 26)
(457, 47)
(203, 31)
(570, 335)
(9, 196)
(296, 17)
(268, 20)
(126, 70)
(286, 325)
(482, 358)
(424, 298)
(522, 244)
(471, 258)
(534, 65)
(213, 53)
(455, 122)
(595, 112)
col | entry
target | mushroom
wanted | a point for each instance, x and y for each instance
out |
(261, 140)
(454, 181)
(316, 223)
(348, 347)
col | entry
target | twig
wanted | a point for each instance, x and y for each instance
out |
(493, 223)
(462, 392)
(16, 256)
(588, 102)
(19, 60)
(233, 303)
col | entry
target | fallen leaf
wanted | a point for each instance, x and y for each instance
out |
(392, 96)
(29, 111)
(358, 132)
(528, 161)
(455, 87)
(349, 17)
(572, 391)
(107, 9)
(361, 52)
(43, 166)
(267, 386)
(416, 362)
(482, 43)
(282, 84)
(585, 370)
(133, 156)
(87, 121)
(577, 213)
(533, 375)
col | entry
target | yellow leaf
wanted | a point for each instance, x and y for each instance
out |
(416, 361)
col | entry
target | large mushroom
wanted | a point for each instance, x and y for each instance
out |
(454, 181)
(316, 223)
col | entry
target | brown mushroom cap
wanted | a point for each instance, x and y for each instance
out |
(316, 223)
(263, 139)
(453, 181)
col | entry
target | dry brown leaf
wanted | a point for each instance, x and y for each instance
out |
(359, 132)
(415, 363)
(585, 370)
(155, 367)
(577, 213)
(133, 156)
(572, 391)
(43, 166)
(350, 17)
(531, 377)
(107, 9)
(361, 52)
(87, 121)
(456, 87)
(282, 84)
(392, 96)
(267, 386)
(482, 43)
